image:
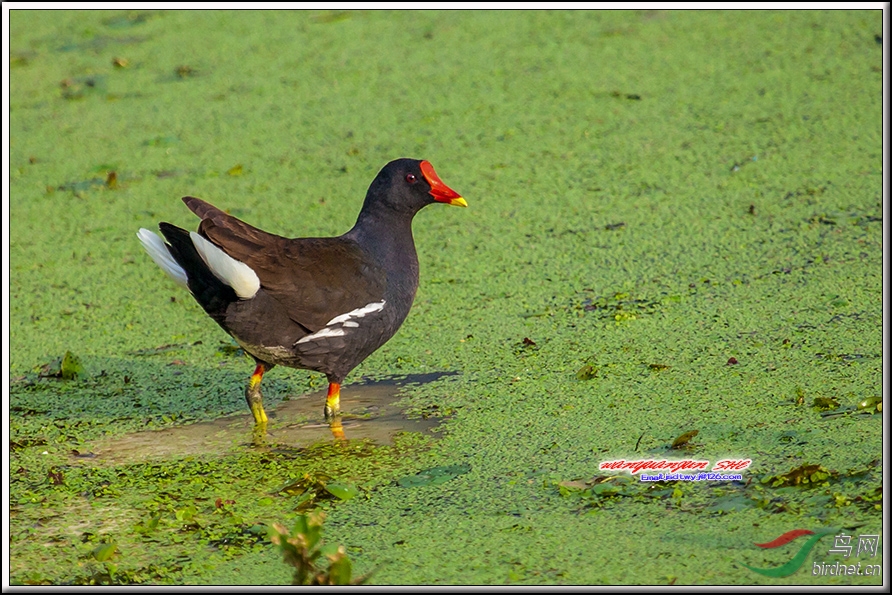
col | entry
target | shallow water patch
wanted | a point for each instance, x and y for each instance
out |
(369, 412)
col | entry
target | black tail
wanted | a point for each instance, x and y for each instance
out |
(212, 294)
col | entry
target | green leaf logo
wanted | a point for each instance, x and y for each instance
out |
(796, 562)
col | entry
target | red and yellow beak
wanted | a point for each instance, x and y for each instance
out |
(440, 191)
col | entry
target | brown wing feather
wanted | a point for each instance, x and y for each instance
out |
(314, 279)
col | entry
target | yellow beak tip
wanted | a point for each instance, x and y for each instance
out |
(458, 202)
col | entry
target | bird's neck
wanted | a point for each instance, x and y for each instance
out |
(387, 237)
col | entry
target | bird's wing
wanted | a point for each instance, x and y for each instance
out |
(314, 279)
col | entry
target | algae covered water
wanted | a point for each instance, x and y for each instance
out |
(673, 252)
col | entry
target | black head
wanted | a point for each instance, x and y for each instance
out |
(408, 185)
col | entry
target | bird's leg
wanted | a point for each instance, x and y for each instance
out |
(253, 395)
(333, 401)
(259, 436)
(333, 410)
(337, 429)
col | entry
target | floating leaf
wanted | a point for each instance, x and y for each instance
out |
(66, 367)
(71, 366)
(187, 514)
(586, 372)
(307, 482)
(306, 502)
(825, 403)
(601, 489)
(871, 405)
(344, 491)
(607, 489)
(729, 503)
(575, 485)
(804, 475)
(434, 476)
(104, 551)
(149, 525)
(683, 440)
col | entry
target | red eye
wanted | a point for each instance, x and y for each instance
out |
(411, 178)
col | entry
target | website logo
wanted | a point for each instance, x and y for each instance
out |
(842, 544)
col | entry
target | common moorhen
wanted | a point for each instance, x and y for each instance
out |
(322, 304)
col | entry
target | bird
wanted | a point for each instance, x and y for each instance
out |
(321, 303)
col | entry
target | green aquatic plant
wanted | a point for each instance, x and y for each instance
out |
(303, 549)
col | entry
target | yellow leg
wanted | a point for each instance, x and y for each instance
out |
(253, 395)
(259, 436)
(333, 401)
(337, 429)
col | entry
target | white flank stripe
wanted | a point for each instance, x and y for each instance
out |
(157, 249)
(358, 313)
(344, 321)
(325, 332)
(239, 276)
